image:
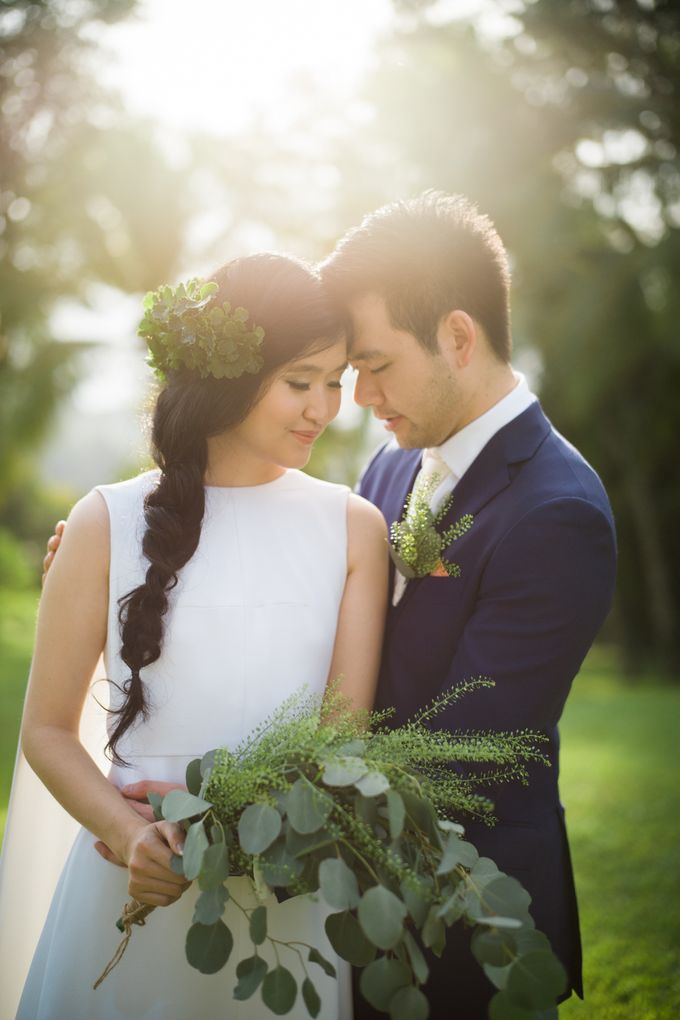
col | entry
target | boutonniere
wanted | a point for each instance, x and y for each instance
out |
(416, 544)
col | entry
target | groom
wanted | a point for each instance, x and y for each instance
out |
(425, 287)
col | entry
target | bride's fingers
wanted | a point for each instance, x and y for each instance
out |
(138, 791)
(104, 851)
(145, 810)
(150, 890)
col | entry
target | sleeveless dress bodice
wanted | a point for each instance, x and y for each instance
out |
(252, 619)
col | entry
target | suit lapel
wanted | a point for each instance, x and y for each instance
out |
(489, 474)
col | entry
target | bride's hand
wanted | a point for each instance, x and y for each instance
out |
(151, 879)
(136, 794)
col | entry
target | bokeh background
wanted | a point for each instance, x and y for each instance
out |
(146, 141)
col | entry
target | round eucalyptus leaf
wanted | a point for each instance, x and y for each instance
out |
(353, 748)
(434, 932)
(208, 947)
(344, 771)
(409, 1003)
(195, 845)
(452, 909)
(372, 784)
(249, 973)
(300, 845)
(505, 897)
(494, 921)
(279, 990)
(278, 866)
(529, 939)
(258, 925)
(316, 957)
(311, 998)
(396, 813)
(381, 916)
(381, 979)
(448, 826)
(193, 777)
(207, 762)
(416, 958)
(456, 852)
(177, 864)
(210, 905)
(536, 980)
(258, 827)
(215, 868)
(498, 976)
(338, 884)
(156, 802)
(494, 947)
(348, 940)
(484, 871)
(416, 902)
(502, 1008)
(179, 805)
(422, 815)
(307, 807)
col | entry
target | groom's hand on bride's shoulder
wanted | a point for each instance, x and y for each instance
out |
(136, 793)
(52, 546)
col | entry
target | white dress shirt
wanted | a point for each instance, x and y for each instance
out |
(460, 450)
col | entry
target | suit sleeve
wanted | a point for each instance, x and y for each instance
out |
(363, 486)
(543, 597)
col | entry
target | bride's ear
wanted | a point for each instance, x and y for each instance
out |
(457, 336)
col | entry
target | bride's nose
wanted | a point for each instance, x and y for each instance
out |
(319, 409)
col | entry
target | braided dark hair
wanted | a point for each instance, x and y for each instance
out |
(286, 298)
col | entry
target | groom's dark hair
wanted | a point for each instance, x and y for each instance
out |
(426, 257)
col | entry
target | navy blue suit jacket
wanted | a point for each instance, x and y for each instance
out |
(538, 570)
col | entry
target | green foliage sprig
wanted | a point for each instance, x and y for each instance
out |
(323, 799)
(416, 546)
(185, 329)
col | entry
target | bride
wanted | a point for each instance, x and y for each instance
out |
(215, 586)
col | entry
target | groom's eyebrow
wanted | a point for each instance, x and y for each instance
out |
(365, 356)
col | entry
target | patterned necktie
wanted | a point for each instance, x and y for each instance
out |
(432, 473)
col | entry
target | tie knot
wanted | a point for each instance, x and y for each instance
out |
(433, 464)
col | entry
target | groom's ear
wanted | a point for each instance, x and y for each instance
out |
(458, 338)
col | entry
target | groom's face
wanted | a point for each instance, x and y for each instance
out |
(410, 389)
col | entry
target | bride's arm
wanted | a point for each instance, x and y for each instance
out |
(71, 633)
(358, 642)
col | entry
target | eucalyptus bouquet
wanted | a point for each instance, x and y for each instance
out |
(324, 800)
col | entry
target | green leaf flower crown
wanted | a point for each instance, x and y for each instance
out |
(184, 329)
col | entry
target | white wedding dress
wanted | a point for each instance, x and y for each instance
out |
(252, 619)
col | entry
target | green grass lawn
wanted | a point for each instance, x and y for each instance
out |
(620, 788)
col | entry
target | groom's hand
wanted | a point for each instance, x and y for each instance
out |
(136, 794)
(52, 546)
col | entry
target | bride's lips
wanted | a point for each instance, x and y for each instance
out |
(307, 438)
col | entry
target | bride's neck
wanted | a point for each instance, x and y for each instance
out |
(230, 467)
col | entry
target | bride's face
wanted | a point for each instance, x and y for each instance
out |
(301, 399)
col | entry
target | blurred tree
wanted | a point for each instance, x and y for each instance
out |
(561, 119)
(85, 194)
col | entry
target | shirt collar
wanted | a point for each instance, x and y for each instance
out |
(461, 449)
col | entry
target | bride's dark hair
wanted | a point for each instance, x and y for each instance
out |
(286, 298)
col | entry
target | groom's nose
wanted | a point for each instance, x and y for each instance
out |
(366, 392)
